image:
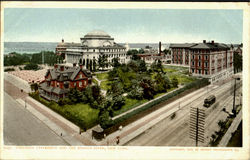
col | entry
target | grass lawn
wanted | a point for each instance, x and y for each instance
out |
(80, 114)
(129, 104)
(102, 76)
(105, 85)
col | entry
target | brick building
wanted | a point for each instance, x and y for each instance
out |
(180, 53)
(208, 59)
(59, 80)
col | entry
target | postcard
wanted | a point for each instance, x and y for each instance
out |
(124, 80)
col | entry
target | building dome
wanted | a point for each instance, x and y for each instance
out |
(97, 33)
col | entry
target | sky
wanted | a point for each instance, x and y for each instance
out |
(124, 25)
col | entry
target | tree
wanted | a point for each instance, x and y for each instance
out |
(237, 62)
(157, 66)
(116, 89)
(115, 62)
(102, 61)
(118, 102)
(14, 59)
(136, 90)
(160, 83)
(148, 88)
(75, 95)
(141, 51)
(142, 66)
(132, 52)
(104, 120)
(175, 82)
(31, 66)
(34, 87)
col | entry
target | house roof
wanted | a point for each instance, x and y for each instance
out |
(56, 90)
(181, 45)
(200, 45)
(68, 73)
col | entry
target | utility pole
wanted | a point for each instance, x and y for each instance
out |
(234, 108)
(197, 122)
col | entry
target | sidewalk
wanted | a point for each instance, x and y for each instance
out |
(224, 141)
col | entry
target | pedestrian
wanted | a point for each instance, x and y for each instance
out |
(117, 140)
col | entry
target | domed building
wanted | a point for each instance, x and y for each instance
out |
(93, 45)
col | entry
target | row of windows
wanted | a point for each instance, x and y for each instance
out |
(199, 63)
(104, 50)
(199, 57)
(200, 72)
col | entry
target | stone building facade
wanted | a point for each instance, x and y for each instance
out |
(93, 45)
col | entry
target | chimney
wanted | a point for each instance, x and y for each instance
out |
(61, 68)
(62, 40)
(55, 66)
(74, 64)
(212, 41)
(159, 48)
(204, 41)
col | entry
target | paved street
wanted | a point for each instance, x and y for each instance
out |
(175, 132)
(22, 128)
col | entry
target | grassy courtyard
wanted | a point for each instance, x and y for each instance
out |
(80, 114)
(102, 76)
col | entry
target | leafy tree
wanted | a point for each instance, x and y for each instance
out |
(31, 66)
(104, 120)
(136, 90)
(160, 83)
(141, 51)
(237, 62)
(132, 52)
(115, 62)
(34, 87)
(75, 95)
(14, 59)
(148, 88)
(175, 82)
(133, 65)
(113, 74)
(118, 102)
(157, 66)
(116, 89)
(142, 66)
(102, 61)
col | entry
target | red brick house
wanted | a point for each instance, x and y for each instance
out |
(59, 80)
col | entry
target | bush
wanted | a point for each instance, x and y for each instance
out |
(31, 66)
(105, 121)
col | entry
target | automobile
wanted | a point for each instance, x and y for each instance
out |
(209, 101)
